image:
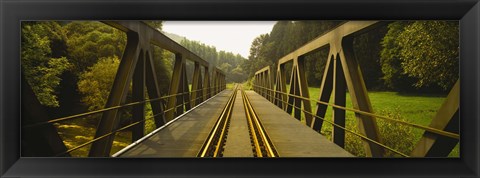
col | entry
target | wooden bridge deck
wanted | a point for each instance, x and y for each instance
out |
(185, 136)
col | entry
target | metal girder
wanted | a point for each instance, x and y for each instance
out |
(297, 113)
(138, 94)
(325, 92)
(174, 86)
(291, 92)
(186, 90)
(281, 85)
(367, 125)
(303, 89)
(41, 141)
(153, 90)
(196, 85)
(446, 119)
(339, 99)
(156, 38)
(206, 84)
(214, 81)
(117, 96)
(347, 29)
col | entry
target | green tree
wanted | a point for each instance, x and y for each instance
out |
(95, 83)
(42, 71)
(429, 52)
(226, 61)
(89, 41)
(420, 54)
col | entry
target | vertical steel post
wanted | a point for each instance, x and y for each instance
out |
(206, 84)
(291, 92)
(296, 92)
(195, 84)
(283, 85)
(186, 90)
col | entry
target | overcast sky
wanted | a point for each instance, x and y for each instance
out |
(230, 36)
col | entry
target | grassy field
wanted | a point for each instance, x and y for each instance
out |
(418, 109)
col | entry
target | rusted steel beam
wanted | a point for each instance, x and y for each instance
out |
(446, 119)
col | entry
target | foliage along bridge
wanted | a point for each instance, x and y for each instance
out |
(209, 120)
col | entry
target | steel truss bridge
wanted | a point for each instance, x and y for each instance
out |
(209, 120)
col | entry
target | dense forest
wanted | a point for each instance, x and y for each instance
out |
(226, 61)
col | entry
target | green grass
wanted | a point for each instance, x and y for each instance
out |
(417, 109)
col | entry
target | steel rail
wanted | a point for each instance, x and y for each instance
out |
(215, 138)
(429, 129)
(251, 128)
(256, 127)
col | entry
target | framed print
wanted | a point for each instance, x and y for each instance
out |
(318, 89)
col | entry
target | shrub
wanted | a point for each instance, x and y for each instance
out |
(394, 135)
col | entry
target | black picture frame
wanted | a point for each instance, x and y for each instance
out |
(13, 11)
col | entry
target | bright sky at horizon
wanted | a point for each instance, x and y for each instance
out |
(229, 36)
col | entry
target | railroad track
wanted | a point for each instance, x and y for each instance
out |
(260, 142)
